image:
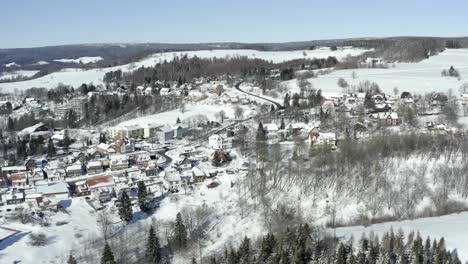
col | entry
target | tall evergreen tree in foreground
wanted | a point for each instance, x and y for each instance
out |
(107, 256)
(180, 234)
(142, 195)
(125, 208)
(153, 249)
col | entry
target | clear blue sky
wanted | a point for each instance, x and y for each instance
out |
(31, 23)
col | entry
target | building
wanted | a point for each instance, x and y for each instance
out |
(35, 131)
(165, 134)
(118, 162)
(105, 183)
(198, 175)
(57, 190)
(19, 180)
(94, 167)
(219, 142)
(386, 118)
(322, 139)
(74, 170)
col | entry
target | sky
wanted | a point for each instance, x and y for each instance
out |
(33, 23)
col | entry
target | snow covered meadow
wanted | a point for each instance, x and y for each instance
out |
(422, 77)
(76, 77)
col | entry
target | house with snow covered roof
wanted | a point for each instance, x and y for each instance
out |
(38, 129)
(118, 162)
(94, 167)
(219, 142)
(317, 139)
(386, 118)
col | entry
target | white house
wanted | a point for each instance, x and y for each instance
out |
(219, 142)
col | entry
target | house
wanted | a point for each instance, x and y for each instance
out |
(148, 90)
(165, 134)
(322, 139)
(56, 175)
(35, 131)
(94, 167)
(386, 118)
(118, 162)
(104, 148)
(74, 170)
(19, 180)
(37, 176)
(219, 142)
(198, 175)
(372, 62)
(271, 131)
(13, 197)
(174, 180)
(57, 190)
(164, 91)
(104, 183)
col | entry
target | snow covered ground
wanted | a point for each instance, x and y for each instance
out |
(422, 77)
(15, 74)
(451, 227)
(190, 111)
(84, 60)
(80, 224)
(76, 77)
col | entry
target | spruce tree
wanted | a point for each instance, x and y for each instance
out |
(180, 233)
(244, 251)
(10, 124)
(125, 208)
(142, 195)
(50, 149)
(107, 256)
(260, 133)
(153, 249)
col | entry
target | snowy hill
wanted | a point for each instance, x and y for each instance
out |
(422, 77)
(76, 77)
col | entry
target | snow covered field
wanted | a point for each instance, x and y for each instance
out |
(84, 60)
(15, 74)
(451, 227)
(76, 77)
(190, 111)
(422, 77)
(80, 224)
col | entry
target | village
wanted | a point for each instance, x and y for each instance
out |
(168, 158)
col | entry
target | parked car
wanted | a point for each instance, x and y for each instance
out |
(213, 185)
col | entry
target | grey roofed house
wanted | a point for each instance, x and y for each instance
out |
(165, 134)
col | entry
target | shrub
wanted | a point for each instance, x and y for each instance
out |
(37, 239)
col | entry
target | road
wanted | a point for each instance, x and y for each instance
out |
(278, 105)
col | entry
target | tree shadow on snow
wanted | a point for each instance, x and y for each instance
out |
(12, 239)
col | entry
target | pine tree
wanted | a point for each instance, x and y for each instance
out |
(153, 249)
(50, 149)
(142, 195)
(286, 102)
(180, 233)
(178, 121)
(125, 208)
(107, 256)
(244, 251)
(10, 124)
(71, 260)
(268, 246)
(260, 133)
